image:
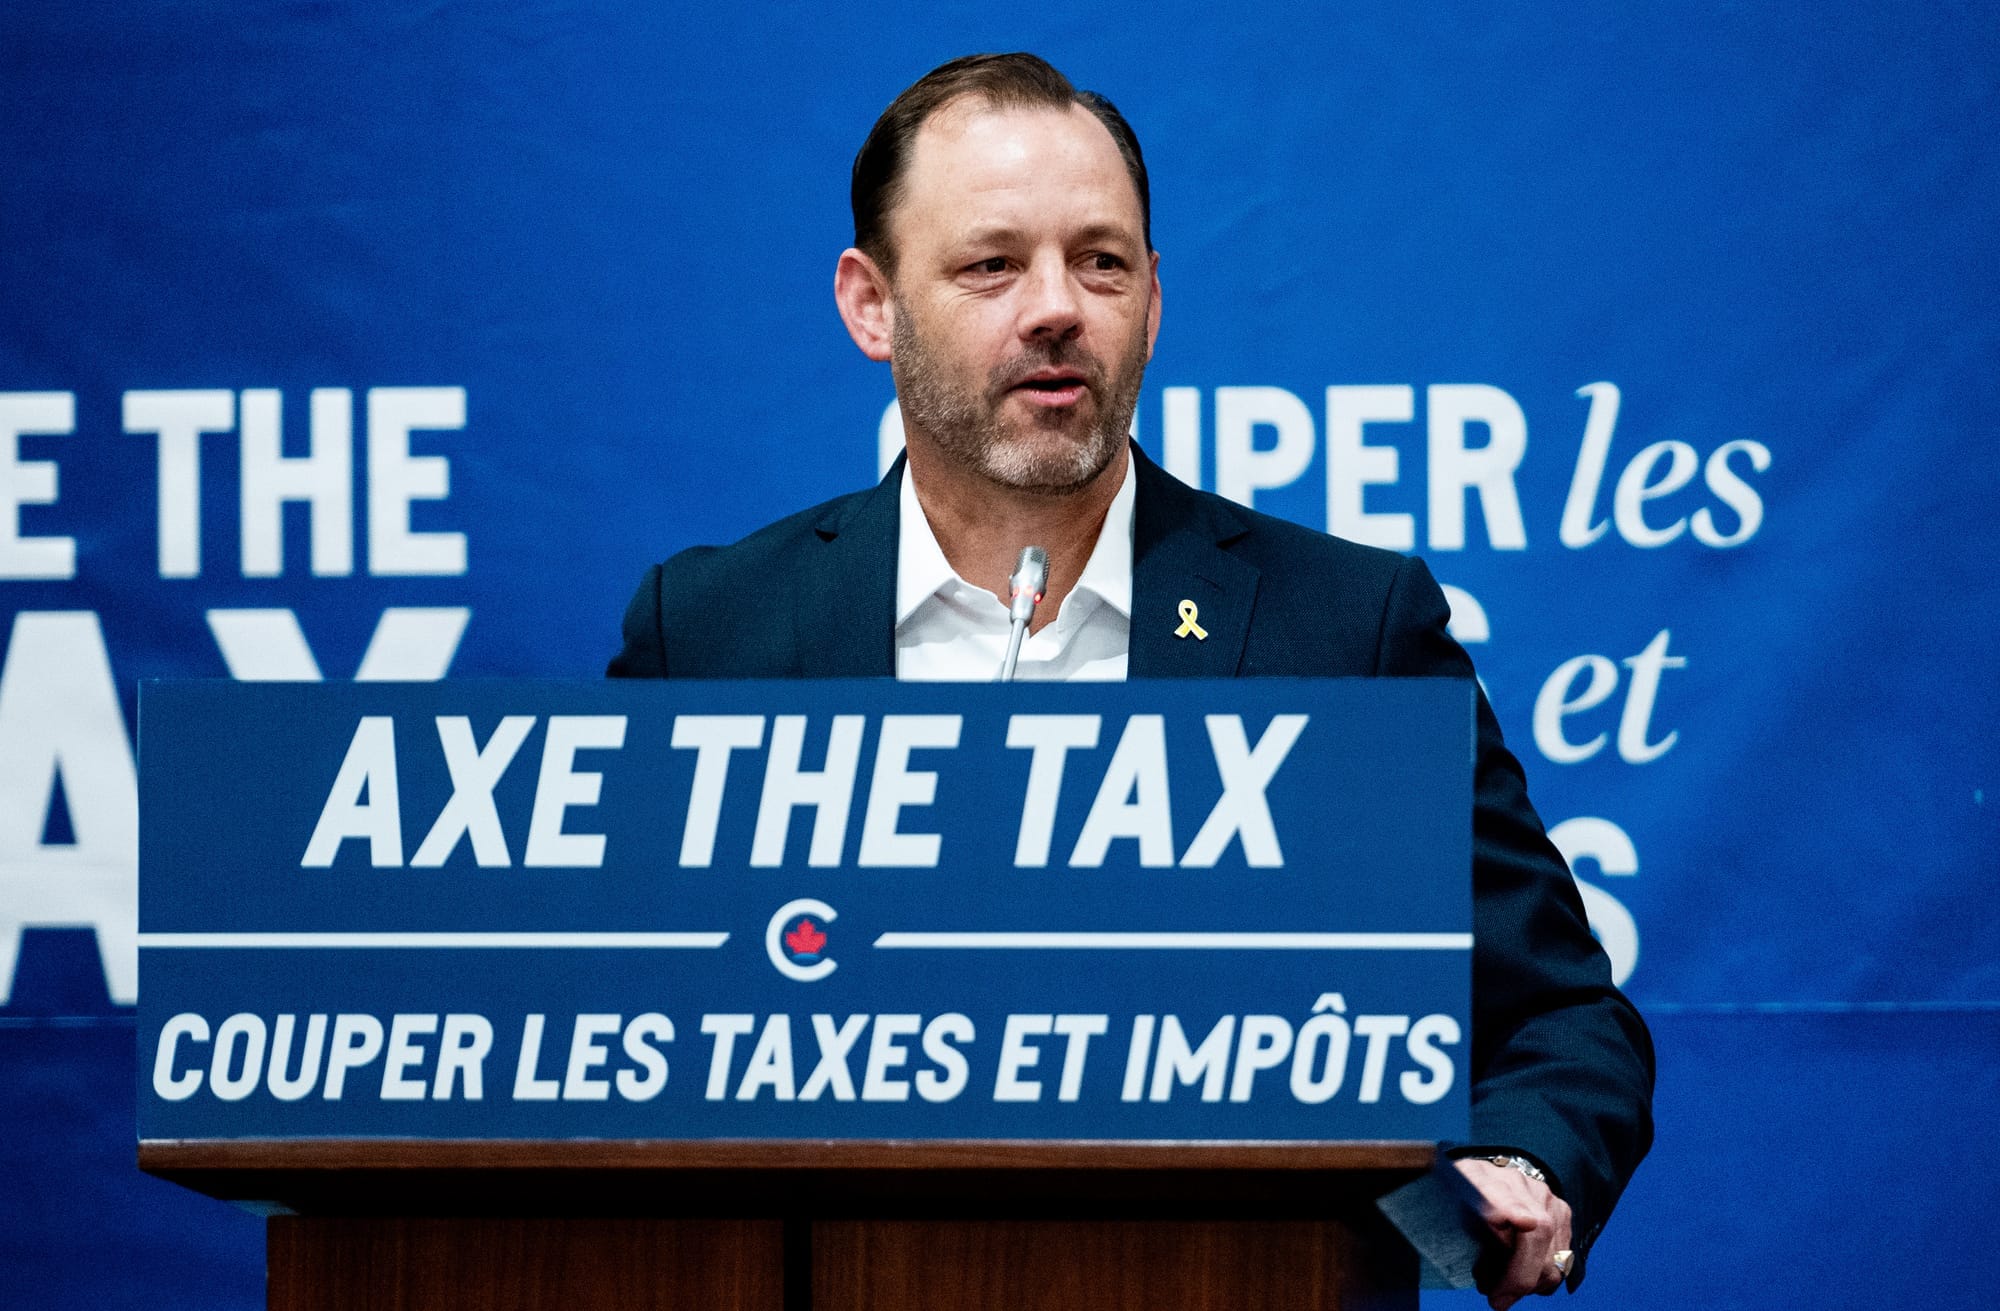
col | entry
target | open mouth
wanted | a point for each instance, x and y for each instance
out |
(1053, 388)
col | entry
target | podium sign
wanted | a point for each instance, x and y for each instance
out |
(1189, 911)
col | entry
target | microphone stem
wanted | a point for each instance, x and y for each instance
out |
(1019, 627)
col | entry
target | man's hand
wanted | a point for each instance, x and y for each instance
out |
(1530, 1219)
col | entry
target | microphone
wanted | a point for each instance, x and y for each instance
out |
(1025, 588)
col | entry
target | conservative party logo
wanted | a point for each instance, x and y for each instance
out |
(796, 940)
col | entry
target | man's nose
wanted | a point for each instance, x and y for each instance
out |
(1050, 307)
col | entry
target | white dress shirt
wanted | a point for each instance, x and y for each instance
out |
(948, 630)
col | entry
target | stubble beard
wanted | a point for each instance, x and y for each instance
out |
(1037, 455)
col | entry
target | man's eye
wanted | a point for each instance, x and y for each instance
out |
(1105, 262)
(998, 264)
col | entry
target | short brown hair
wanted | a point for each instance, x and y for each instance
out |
(1018, 80)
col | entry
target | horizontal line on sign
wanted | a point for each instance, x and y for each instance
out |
(1186, 941)
(365, 940)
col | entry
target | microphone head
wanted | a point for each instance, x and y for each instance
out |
(1028, 583)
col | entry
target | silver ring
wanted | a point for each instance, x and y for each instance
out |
(1561, 1261)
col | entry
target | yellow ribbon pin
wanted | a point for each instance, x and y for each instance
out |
(1188, 625)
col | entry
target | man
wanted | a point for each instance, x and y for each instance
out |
(1003, 267)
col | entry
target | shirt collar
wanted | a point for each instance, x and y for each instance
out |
(922, 572)
(1108, 571)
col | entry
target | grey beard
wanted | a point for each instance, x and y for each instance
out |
(968, 430)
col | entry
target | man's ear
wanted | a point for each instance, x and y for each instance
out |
(867, 306)
(1153, 310)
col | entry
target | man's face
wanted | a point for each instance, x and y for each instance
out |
(1025, 301)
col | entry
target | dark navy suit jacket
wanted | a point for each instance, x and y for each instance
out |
(1562, 1065)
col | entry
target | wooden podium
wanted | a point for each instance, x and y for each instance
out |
(832, 1226)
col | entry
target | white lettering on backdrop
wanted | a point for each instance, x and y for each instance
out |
(61, 722)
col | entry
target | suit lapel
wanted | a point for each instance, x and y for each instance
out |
(845, 620)
(1177, 556)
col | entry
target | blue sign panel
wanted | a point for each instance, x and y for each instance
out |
(1228, 910)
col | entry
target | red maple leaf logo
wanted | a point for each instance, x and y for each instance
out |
(805, 939)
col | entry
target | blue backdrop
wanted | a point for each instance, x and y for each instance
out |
(394, 341)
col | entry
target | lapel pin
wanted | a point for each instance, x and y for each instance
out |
(1188, 615)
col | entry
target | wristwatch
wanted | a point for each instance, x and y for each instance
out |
(1521, 1163)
